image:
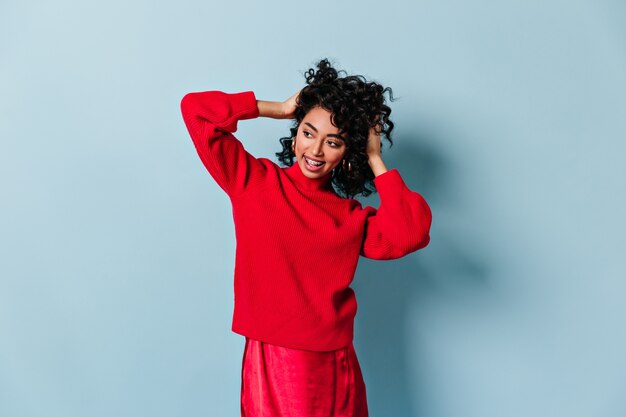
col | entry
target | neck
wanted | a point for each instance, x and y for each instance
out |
(317, 183)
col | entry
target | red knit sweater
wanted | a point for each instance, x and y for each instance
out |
(298, 242)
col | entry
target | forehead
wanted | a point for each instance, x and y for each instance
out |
(320, 119)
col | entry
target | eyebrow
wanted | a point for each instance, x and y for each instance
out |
(330, 134)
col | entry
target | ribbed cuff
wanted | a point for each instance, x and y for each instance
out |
(389, 182)
(243, 105)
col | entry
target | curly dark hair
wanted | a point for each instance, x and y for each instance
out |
(356, 105)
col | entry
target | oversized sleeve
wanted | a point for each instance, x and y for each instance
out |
(400, 225)
(211, 118)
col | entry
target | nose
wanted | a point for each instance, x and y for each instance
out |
(317, 149)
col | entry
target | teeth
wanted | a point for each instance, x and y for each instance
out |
(313, 162)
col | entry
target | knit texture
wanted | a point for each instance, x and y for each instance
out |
(298, 242)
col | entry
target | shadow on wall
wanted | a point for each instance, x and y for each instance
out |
(388, 292)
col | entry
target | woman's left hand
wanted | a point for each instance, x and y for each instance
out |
(374, 143)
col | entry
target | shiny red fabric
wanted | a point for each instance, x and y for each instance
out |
(282, 382)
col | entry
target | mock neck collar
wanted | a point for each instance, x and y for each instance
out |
(302, 181)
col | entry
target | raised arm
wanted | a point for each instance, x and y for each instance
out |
(211, 117)
(401, 225)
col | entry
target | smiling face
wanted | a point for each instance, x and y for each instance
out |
(318, 139)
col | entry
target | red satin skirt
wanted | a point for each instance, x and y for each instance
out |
(282, 382)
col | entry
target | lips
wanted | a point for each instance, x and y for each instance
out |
(312, 168)
(314, 160)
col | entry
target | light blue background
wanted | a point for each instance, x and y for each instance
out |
(118, 248)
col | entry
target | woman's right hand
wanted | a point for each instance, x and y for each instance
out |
(289, 106)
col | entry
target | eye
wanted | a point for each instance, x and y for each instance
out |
(335, 144)
(306, 132)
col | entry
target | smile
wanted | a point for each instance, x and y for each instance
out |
(313, 162)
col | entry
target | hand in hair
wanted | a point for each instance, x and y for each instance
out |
(374, 144)
(289, 106)
(278, 109)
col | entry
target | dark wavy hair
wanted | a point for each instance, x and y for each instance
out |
(356, 105)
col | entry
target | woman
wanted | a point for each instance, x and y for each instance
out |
(300, 233)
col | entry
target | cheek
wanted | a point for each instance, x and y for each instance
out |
(339, 155)
(298, 143)
(336, 159)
